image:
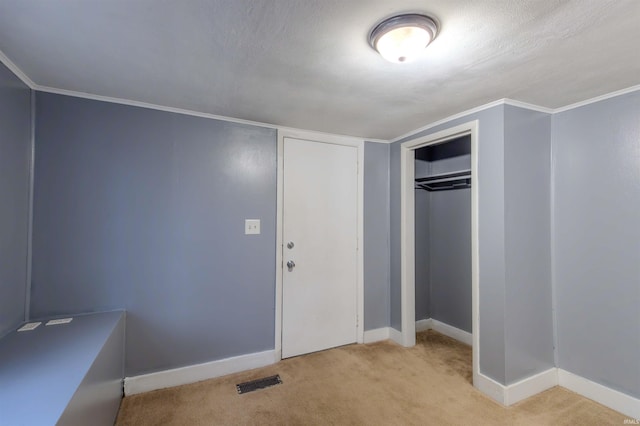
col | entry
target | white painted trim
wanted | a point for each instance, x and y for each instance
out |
(490, 388)
(505, 101)
(525, 388)
(396, 336)
(597, 99)
(424, 325)
(320, 137)
(552, 248)
(475, 251)
(407, 230)
(377, 335)
(446, 329)
(448, 119)
(511, 394)
(32, 155)
(625, 404)
(407, 246)
(128, 102)
(197, 373)
(360, 259)
(453, 332)
(358, 143)
(17, 71)
(421, 325)
(122, 101)
(530, 386)
(279, 244)
(526, 105)
(516, 103)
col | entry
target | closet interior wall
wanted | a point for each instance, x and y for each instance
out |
(443, 238)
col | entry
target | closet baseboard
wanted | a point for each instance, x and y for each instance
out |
(451, 331)
(424, 325)
(377, 335)
(515, 392)
(446, 329)
(385, 333)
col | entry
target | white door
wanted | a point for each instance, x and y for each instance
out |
(319, 301)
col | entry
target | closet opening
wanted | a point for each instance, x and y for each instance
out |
(439, 241)
(442, 213)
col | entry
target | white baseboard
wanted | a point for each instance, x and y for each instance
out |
(505, 395)
(530, 386)
(424, 325)
(516, 392)
(396, 336)
(453, 332)
(197, 373)
(508, 395)
(376, 335)
(385, 333)
(490, 388)
(625, 404)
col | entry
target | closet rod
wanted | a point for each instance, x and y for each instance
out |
(443, 177)
(445, 181)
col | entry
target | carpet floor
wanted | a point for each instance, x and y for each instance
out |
(376, 384)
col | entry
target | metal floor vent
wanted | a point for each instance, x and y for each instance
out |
(258, 384)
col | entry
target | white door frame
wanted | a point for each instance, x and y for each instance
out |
(407, 231)
(336, 140)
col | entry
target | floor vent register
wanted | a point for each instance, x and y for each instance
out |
(265, 382)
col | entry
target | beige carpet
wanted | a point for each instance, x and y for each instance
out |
(377, 384)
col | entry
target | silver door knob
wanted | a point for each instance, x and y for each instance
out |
(291, 264)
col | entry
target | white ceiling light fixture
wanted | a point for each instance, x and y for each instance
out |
(402, 38)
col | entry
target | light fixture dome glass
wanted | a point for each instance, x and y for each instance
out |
(402, 38)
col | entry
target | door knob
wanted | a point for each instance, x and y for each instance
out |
(291, 264)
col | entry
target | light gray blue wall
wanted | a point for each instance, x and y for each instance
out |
(15, 154)
(376, 235)
(491, 230)
(450, 260)
(596, 211)
(528, 294)
(144, 210)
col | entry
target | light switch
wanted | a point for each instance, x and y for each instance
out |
(251, 226)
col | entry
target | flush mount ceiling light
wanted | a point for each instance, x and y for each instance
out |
(402, 38)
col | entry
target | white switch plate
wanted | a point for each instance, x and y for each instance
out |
(59, 321)
(251, 226)
(29, 326)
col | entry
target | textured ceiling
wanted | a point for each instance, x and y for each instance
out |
(307, 64)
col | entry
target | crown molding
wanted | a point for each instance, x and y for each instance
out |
(447, 119)
(129, 102)
(598, 99)
(526, 105)
(17, 71)
(519, 104)
(505, 101)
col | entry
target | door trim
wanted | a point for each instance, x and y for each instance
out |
(336, 140)
(407, 234)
